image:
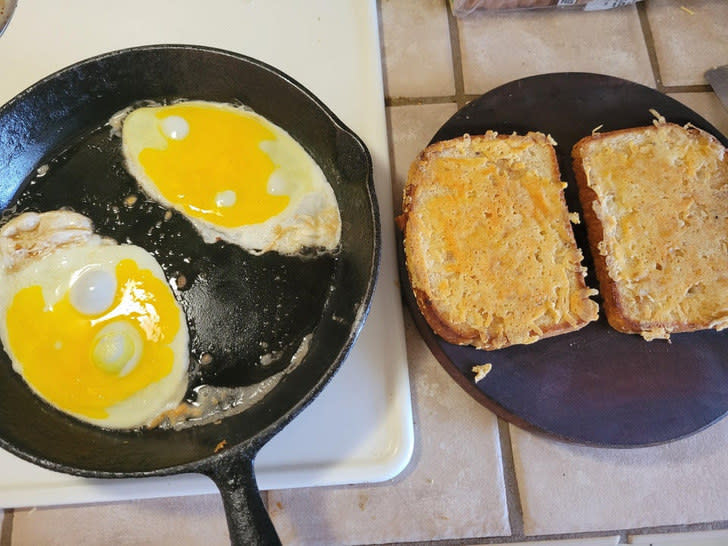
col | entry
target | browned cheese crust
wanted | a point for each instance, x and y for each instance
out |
(488, 242)
(655, 202)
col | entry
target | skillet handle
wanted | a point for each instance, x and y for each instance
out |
(247, 519)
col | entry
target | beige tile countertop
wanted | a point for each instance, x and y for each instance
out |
(475, 479)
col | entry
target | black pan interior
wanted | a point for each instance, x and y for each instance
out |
(595, 386)
(239, 306)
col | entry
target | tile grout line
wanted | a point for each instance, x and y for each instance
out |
(380, 34)
(465, 98)
(623, 535)
(419, 101)
(696, 88)
(510, 480)
(457, 58)
(6, 528)
(387, 101)
(650, 45)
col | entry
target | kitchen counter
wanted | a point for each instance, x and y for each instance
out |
(474, 478)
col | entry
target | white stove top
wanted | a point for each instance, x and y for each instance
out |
(360, 428)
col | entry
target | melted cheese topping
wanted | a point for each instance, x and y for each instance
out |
(662, 200)
(493, 231)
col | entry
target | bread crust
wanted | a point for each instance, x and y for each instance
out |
(616, 301)
(433, 303)
(595, 235)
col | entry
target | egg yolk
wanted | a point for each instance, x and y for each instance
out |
(213, 165)
(85, 361)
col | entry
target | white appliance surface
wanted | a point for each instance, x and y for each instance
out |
(360, 428)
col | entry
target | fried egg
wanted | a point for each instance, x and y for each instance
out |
(234, 174)
(92, 326)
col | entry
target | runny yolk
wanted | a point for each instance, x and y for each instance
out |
(85, 364)
(218, 153)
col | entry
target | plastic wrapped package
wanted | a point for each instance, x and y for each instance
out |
(462, 8)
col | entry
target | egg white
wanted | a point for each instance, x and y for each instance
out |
(311, 219)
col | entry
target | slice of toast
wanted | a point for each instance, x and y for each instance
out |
(488, 242)
(655, 203)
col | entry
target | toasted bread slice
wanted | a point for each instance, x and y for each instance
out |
(655, 203)
(489, 246)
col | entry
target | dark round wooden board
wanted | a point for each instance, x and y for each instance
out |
(595, 386)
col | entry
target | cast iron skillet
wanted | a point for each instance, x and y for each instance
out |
(595, 386)
(238, 306)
